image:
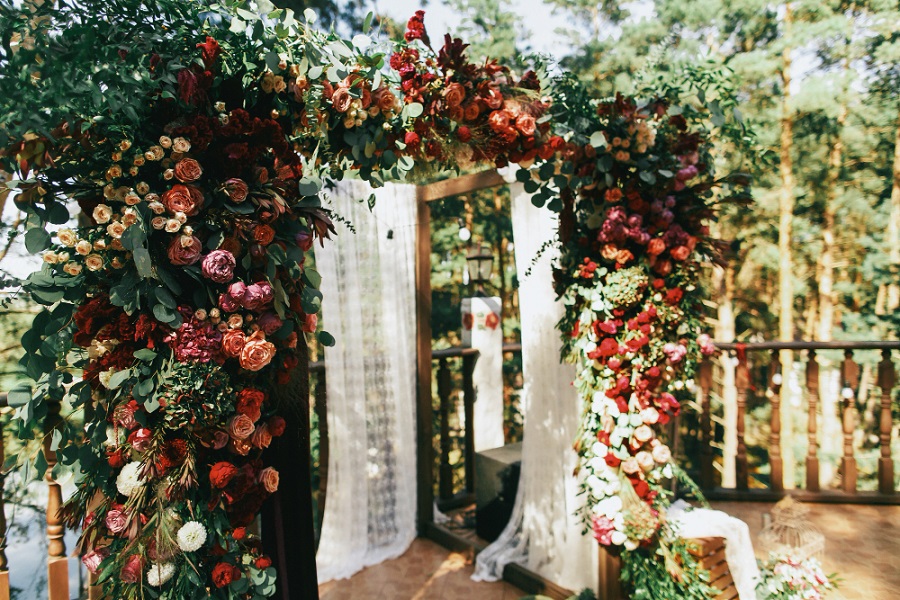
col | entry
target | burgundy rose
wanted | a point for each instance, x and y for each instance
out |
(219, 266)
(220, 439)
(186, 253)
(227, 303)
(222, 575)
(454, 94)
(270, 323)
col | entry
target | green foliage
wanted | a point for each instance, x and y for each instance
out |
(652, 573)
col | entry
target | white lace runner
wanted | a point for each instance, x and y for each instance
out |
(368, 282)
(543, 534)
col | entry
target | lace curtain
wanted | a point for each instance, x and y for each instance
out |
(543, 534)
(368, 281)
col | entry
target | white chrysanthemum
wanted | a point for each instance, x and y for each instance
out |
(128, 480)
(159, 574)
(191, 536)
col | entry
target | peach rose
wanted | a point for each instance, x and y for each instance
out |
(630, 465)
(261, 437)
(645, 460)
(188, 170)
(341, 99)
(643, 434)
(233, 342)
(384, 99)
(268, 477)
(240, 427)
(454, 95)
(526, 125)
(185, 199)
(257, 352)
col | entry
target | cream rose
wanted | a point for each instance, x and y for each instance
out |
(645, 460)
(67, 237)
(165, 141)
(662, 454)
(115, 229)
(72, 268)
(643, 434)
(132, 199)
(83, 247)
(180, 144)
(102, 213)
(93, 262)
(51, 258)
(157, 208)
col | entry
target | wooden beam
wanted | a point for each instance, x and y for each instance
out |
(460, 185)
(424, 428)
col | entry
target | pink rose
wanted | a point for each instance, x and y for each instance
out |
(237, 290)
(341, 99)
(219, 266)
(92, 559)
(257, 295)
(257, 352)
(603, 529)
(236, 190)
(116, 520)
(179, 254)
(240, 427)
(227, 303)
(220, 439)
(268, 477)
(133, 570)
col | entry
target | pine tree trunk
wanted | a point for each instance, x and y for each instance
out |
(893, 294)
(786, 216)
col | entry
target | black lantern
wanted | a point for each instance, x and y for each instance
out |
(480, 264)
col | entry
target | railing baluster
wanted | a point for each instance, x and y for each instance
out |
(445, 490)
(886, 380)
(469, 409)
(4, 565)
(322, 414)
(704, 378)
(742, 382)
(812, 448)
(776, 461)
(849, 384)
(57, 563)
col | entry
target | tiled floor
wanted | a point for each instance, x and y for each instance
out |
(862, 544)
(426, 572)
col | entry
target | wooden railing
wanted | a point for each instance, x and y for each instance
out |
(849, 382)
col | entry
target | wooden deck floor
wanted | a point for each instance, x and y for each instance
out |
(426, 572)
(862, 546)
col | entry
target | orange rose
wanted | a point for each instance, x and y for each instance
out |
(454, 95)
(268, 477)
(384, 99)
(656, 246)
(183, 198)
(341, 99)
(680, 252)
(257, 352)
(187, 170)
(240, 427)
(233, 342)
(499, 120)
(472, 110)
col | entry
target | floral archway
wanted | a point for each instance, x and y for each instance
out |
(196, 139)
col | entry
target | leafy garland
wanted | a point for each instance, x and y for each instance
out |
(196, 139)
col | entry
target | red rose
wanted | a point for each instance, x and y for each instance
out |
(612, 460)
(249, 402)
(140, 439)
(239, 533)
(454, 94)
(674, 296)
(222, 575)
(263, 562)
(464, 134)
(656, 246)
(411, 140)
(263, 234)
(609, 347)
(221, 474)
(499, 120)
(680, 253)
(115, 458)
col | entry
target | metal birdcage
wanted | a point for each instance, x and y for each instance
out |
(790, 532)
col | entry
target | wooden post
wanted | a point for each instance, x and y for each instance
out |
(469, 410)
(776, 461)
(742, 382)
(57, 563)
(886, 380)
(704, 378)
(288, 527)
(812, 448)
(424, 428)
(609, 580)
(445, 480)
(322, 413)
(849, 384)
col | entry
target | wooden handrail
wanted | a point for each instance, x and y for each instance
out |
(800, 345)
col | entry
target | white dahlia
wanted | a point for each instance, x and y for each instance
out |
(191, 536)
(129, 480)
(160, 573)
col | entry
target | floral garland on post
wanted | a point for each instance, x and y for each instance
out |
(196, 139)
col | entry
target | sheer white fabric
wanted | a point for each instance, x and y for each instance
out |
(739, 554)
(368, 283)
(543, 534)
